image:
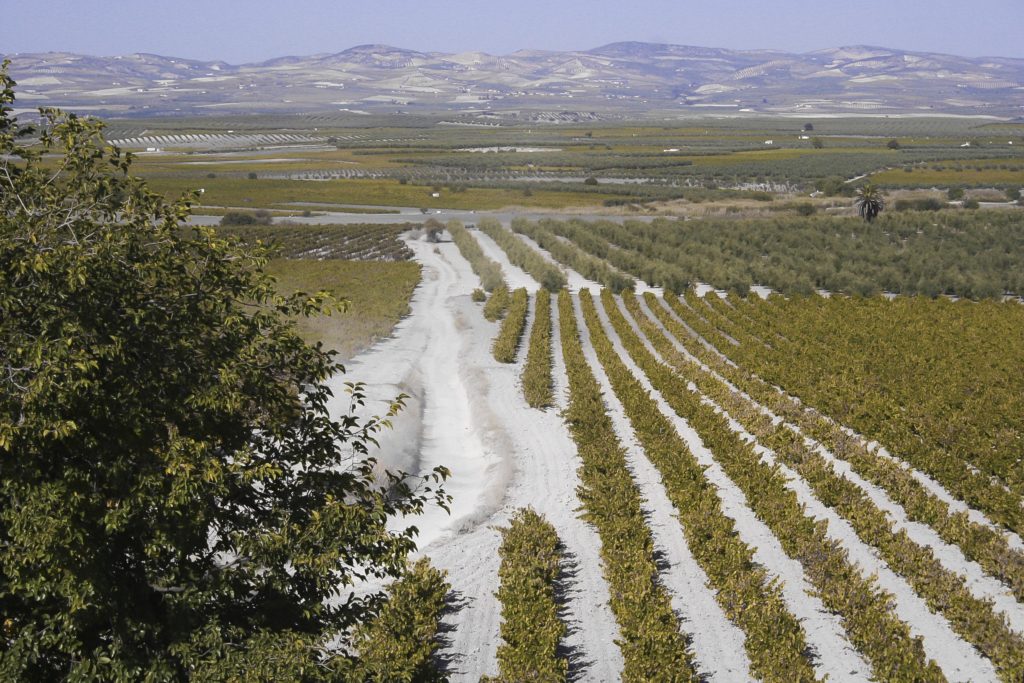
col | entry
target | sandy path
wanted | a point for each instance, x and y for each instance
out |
(958, 660)
(837, 657)
(717, 643)
(543, 459)
(467, 412)
(422, 360)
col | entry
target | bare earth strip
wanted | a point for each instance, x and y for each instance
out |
(467, 413)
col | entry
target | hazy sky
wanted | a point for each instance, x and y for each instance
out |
(254, 30)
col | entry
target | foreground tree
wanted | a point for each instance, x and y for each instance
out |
(869, 202)
(175, 501)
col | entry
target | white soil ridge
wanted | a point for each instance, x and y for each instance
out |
(956, 505)
(717, 643)
(958, 659)
(559, 376)
(837, 658)
(981, 584)
(515, 277)
(546, 478)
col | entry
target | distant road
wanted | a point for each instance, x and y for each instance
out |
(411, 215)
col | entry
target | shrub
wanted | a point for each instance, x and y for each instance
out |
(590, 180)
(537, 371)
(921, 204)
(259, 217)
(497, 304)
(530, 564)
(506, 344)
(479, 296)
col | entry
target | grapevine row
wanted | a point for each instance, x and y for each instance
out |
(543, 271)
(497, 305)
(531, 630)
(400, 644)
(537, 382)
(570, 255)
(864, 609)
(774, 640)
(971, 486)
(944, 591)
(978, 542)
(506, 344)
(948, 370)
(650, 640)
(487, 270)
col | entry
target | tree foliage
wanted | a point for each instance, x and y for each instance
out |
(175, 499)
(869, 202)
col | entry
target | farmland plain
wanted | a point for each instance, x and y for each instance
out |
(712, 485)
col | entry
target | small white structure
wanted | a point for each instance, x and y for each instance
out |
(966, 144)
(435, 195)
(676, 149)
(769, 142)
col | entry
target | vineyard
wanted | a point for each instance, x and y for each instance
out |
(977, 255)
(718, 488)
(617, 400)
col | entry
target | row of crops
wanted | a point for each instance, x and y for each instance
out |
(974, 255)
(945, 591)
(350, 242)
(708, 403)
(877, 542)
(935, 381)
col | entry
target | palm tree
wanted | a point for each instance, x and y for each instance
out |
(869, 202)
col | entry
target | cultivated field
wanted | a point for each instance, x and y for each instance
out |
(725, 489)
(818, 482)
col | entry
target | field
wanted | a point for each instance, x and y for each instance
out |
(710, 475)
(366, 268)
(393, 161)
(649, 484)
(376, 296)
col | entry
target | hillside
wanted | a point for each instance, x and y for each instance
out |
(620, 78)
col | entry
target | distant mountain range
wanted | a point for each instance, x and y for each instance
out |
(621, 78)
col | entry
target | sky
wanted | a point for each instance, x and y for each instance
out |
(242, 31)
